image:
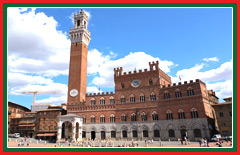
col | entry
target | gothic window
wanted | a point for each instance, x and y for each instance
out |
(123, 86)
(93, 102)
(178, 93)
(181, 114)
(133, 117)
(132, 98)
(144, 117)
(153, 97)
(112, 118)
(123, 100)
(142, 97)
(112, 101)
(93, 119)
(84, 119)
(154, 116)
(150, 82)
(190, 91)
(102, 101)
(123, 118)
(102, 119)
(194, 113)
(166, 95)
(78, 22)
(169, 115)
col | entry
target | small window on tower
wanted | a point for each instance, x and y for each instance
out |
(123, 86)
(150, 82)
(78, 22)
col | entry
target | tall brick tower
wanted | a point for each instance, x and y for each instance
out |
(80, 38)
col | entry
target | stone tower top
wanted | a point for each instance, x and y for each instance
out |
(80, 32)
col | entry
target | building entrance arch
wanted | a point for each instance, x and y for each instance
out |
(183, 133)
(93, 135)
(103, 135)
(69, 128)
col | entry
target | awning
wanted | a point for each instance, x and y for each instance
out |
(46, 134)
(28, 125)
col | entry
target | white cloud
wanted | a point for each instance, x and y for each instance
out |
(104, 66)
(34, 42)
(219, 79)
(210, 59)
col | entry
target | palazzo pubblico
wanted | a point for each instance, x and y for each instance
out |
(145, 105)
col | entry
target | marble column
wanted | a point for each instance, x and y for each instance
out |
(74, 132)
(59, 132)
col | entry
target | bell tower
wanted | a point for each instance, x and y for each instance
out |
(80, 38)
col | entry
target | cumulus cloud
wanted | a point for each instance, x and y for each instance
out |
(210, 59)
(134, 60)
(34, 42)
(218, 79)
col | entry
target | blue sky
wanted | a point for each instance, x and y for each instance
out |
(190, 42)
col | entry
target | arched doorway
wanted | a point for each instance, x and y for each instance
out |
(124, 134)
(145, 133)
(103, 135)
(93, 135)
(183, 133)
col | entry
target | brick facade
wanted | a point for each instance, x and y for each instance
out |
(144, 101)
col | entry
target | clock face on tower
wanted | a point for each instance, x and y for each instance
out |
(73, 92)
(135, 83)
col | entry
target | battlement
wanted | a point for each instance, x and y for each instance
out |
(153, 65)
(182, 84)
(118, 71)
(100, 94)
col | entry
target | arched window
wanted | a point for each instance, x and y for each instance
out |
(102, 101)
(112, 101)
(142, 97)
(123, 118)
(93, 119)
(133, 117)
(171, 133)
(122, 85)
(144, 116)
(150, 82)
(84, 119)
(166, 95)
(123, 100)
(197, 133)
(132, 98)
(112, 118)
(190, 91)
(154, 116)
(181, 114)
(169, 115)
(93, 102)
(194, 113)
(178, 93)
(153, 96)
(102, 119)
